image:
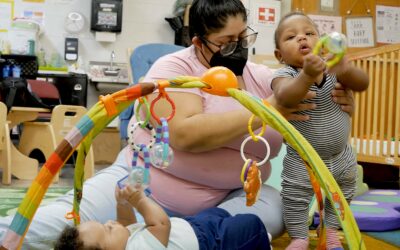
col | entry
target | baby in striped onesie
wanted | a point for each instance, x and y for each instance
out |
(327, 128)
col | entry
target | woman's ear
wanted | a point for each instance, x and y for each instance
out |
(278, 56)
(196, 42)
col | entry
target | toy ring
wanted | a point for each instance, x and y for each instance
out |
(245, 170)
(335, 43)
(266, 145)
(251, 132)
(131, 131)
(142, 101)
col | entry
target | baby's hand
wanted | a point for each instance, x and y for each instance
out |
(313, 65)
(119, 196)
(133, 196)
(341, 67)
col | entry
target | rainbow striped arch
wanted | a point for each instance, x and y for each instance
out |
(110, 106)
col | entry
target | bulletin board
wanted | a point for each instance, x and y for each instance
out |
(353, 11)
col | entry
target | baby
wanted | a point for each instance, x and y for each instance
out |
(327, 129)
(213, 228)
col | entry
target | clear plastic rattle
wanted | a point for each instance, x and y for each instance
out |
(335, 43)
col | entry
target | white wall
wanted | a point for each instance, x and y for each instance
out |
(143, 22)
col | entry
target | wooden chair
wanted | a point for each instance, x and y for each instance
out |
(376, 121)
(45, 136)
(5, 143)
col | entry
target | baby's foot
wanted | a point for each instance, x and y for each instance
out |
(332, 240)
(298, 244)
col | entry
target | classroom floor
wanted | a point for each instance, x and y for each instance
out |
(66, 180)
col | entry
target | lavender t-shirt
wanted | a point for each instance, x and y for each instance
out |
(196, 181)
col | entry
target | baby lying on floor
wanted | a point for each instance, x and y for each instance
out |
(213, 228)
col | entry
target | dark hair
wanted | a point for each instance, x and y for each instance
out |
(278, 28)
(208, 16)
(69, 240)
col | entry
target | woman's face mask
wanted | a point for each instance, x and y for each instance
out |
(235, 61)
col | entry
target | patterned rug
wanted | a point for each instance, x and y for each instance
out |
(10, 198)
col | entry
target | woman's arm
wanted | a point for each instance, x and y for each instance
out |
(193, 130)
(289, 92)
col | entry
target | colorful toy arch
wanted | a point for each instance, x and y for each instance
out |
(223, 82)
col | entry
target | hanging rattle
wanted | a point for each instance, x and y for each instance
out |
(335, 43)
(251, 175)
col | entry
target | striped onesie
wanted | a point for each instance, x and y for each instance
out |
(327, 130)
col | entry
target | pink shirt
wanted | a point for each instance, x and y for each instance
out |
(196, 181)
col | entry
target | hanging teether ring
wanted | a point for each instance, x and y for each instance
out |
(266, 145)
(162, 94)
(143, 101)
(251, 132)
(131, 131)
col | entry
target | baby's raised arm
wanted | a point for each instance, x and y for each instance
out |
(350, 76)
(157, 221)
(291, 91)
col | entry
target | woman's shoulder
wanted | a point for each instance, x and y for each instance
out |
(182, 62)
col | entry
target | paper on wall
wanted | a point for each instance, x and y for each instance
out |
(327, 24)
(6, 14)
(387, 24)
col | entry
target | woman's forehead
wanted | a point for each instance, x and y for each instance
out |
(234, 26)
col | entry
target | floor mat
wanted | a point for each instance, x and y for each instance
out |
(10, 198)
(392, 237)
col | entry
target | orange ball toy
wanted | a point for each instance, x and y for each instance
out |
(219, 80)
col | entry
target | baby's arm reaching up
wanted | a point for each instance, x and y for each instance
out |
(291, 91)
(157, 221)
(125, 214)
(350, 76)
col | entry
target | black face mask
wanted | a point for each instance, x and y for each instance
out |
(235, 61)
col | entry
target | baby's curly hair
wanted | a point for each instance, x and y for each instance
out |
(69, 239)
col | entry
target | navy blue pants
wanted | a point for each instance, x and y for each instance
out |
(215, 228)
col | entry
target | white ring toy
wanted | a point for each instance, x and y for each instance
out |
(131, 131)
(266, 145)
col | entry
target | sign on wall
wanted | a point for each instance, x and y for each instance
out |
(387, 24)
(360, 32)
(327, 24)
(264, 17)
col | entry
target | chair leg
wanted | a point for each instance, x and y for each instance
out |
(5, 156)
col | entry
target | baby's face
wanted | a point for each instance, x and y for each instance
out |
(111, 235)
(297, 38)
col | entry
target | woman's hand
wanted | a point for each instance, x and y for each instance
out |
(344, 97)
(289, 113)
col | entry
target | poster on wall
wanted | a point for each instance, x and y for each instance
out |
(360, 32)
(327, 24)
(264, 18)
(31, 10)
(387, 24)
(266, 13)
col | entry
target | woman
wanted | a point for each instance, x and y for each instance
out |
(205, 132)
